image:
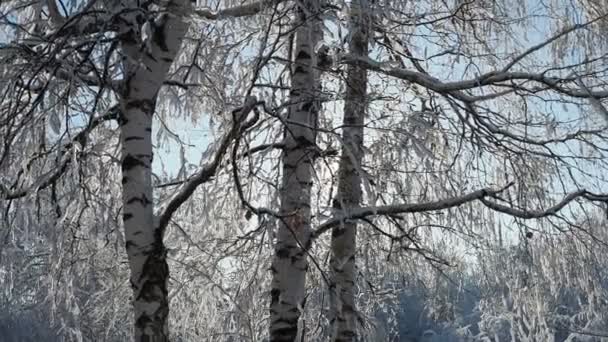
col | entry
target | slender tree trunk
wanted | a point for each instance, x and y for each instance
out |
(343, 314)
(290, 261)
(146, 65)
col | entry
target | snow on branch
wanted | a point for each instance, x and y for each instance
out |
(552, 39)
(208, 171)
(497, 77)
(237, 11)
(487, 79)
(535, 214)
(54, 174)
(363, 212)
(482, 195)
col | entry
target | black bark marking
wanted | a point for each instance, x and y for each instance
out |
(129, 37)
(143, 200)
(143, 155)
(303, 55)
(156, 273)
(337, 232)
(308, 106)
(287, 320)
(294, 259)
(287, 334)
(130, 162)
(134, 138)
(303, 142)
(145, 105)
(125, 179)
(158, 236)
(347, 336)
(274, 295)
(122, 119)
(140, 18)
(158, 36)
(126, 217)
(307, 247)
(151, 56)
(126, 90)
(143, 320)
(324, 58)
(283, 253)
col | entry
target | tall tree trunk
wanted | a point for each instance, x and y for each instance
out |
(146, 65)
(343, 314)
(290, 261)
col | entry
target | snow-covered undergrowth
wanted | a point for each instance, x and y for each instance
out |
(550, 288)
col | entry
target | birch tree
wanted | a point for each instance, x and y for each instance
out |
(469, 106)
(144, 75)
(343, 314)
(124, 51)
(467, 127)
(290, 263)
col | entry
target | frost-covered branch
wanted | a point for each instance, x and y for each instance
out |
(53, 175)
(487, 79)
(535, 214)
(209, 169)
(482, 195)
(547, 42)
(396, 209)
(245, 10)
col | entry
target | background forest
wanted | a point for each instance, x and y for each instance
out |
(303, 170)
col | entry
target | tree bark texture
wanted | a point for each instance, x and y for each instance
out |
(343, 313)
(290, 262)
(146, 64)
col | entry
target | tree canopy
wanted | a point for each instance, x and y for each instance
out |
(295, 170)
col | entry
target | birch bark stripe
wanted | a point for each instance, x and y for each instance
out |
(290, 263)
(343, 313)
(146, 69)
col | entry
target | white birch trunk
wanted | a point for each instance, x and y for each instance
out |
(290, 260)
(343, 313)
(146, 66)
